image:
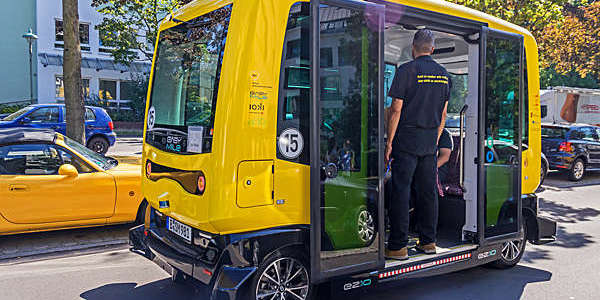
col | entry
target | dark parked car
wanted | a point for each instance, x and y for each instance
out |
(573, 148)
(98, 124)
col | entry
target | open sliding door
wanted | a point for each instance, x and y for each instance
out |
(346, 138)
(500, 148)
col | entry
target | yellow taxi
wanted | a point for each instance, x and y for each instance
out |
(49, 182)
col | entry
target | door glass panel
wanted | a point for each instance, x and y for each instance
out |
(349, 136)
(502, 143)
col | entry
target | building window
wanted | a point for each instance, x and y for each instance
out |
(84, 35)
(60, 87)
(127, 90)
(108, 90)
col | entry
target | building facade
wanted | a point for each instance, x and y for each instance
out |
(15, 18)
(103, 79)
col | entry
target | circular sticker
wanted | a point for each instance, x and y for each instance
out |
(151, 117)
(291, 143)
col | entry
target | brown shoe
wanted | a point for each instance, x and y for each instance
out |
(428, 249)
(401, 254)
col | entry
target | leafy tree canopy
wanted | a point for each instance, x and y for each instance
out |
(132, 25)
(579, 39)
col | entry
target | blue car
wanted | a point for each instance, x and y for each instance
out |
(98, 124)
(572, 148)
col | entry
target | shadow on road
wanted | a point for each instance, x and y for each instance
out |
(157, 290)
(567, 214)
(478, 283)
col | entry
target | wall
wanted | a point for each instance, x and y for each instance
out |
(15, 18)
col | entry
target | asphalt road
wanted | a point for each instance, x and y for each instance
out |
(566, 269)
(127, 146)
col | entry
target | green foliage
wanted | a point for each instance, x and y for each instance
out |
(9, 109)
(550, 77)
(132, 25)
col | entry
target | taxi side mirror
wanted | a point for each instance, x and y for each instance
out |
(68, 170)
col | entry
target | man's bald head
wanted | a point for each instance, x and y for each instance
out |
(423, 42)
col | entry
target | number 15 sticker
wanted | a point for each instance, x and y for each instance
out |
(291, 143)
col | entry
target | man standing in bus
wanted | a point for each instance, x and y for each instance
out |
(421, 90)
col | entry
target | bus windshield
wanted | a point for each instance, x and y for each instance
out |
(185, 84)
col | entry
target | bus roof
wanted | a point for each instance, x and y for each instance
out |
(439, 6)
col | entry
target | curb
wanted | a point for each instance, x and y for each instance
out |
(29, 253)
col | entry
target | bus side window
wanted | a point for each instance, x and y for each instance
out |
(293, 115)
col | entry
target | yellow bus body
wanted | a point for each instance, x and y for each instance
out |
(252, 56)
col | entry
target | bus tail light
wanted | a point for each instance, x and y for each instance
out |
(565, 147)
(111, 125)
(148, 169)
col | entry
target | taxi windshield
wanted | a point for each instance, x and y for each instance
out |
(105, 163)
(185, 85)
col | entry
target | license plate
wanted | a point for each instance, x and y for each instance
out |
(180, 229)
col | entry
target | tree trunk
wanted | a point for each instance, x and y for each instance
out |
(72, 72)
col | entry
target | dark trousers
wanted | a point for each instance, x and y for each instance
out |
(407, 167)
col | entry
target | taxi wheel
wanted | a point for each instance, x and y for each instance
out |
(511, 252)
(98, 145)
(283, 275)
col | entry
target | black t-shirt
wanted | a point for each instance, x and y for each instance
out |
(445, 142)
(424, 86)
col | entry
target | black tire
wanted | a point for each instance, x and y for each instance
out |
(577, 171)
(508, 259)
(178, 277)
(543, 173)
(98, 144)
(299, 276)
(141, 214)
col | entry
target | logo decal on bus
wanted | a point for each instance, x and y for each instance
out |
(357, 284)
(487, 254)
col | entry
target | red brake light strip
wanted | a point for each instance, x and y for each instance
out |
(424, 266)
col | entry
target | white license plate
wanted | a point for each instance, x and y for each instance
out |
(180, 229)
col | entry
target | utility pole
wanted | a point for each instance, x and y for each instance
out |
(31, 38)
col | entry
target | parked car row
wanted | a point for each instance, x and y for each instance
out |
(99, 127)
(571, 148)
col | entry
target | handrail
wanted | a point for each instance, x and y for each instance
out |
(461, 141)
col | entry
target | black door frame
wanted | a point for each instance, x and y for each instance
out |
(481, 180)
(317, 274)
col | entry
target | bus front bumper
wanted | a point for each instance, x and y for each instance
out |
(221, 281)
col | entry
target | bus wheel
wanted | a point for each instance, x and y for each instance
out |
(366, 226)
(511, 252)
(283, 275)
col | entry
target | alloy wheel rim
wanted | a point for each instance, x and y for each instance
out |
(98, 147)
(366, 226)
(511, 250)
(578, 169)
(284, 279)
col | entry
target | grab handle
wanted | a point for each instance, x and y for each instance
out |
(463, 111)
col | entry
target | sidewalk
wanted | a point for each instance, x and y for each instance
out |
(30, 244)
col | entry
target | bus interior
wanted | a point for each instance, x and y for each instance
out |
(457, 207)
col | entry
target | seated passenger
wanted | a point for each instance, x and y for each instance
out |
(445, 147)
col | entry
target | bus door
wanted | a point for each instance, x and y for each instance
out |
(500, 141)
(346, 138)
